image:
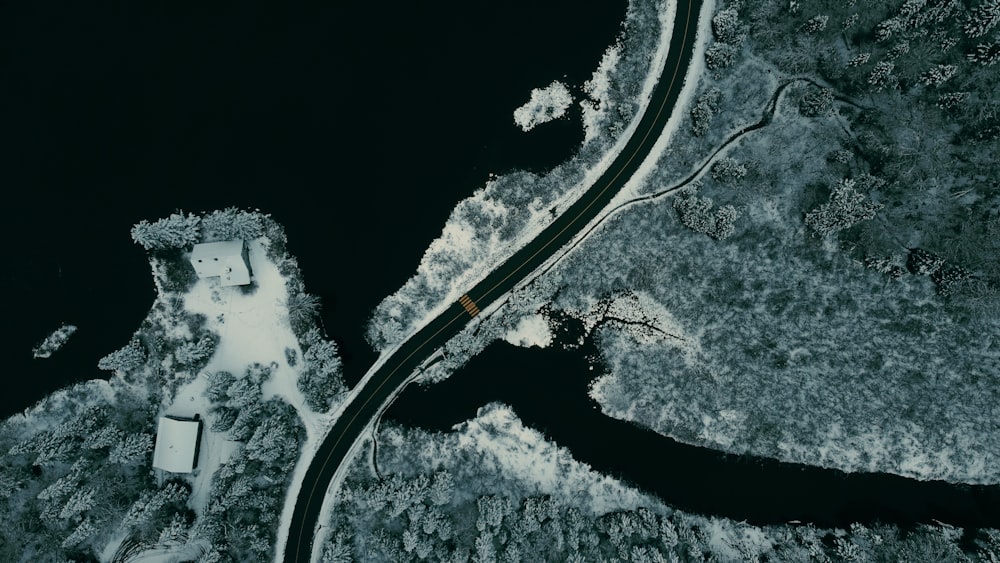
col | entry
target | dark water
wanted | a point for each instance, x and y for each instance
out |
(357, 125)
(547, 388)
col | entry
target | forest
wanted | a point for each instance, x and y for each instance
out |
(76, 481)
(447, 497)
(844, 315)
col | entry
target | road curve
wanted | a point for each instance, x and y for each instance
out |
(395, 370)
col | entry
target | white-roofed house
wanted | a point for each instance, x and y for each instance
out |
(177, 443)
(228, 260)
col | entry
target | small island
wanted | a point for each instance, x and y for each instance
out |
(54, 341)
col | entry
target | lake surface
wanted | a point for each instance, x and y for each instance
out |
(547, 388)
(356, 125)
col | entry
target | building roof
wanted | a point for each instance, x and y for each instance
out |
(223, 259)
(176, 445)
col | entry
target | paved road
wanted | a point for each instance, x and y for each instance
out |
(394, 372)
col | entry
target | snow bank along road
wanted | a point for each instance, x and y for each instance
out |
(395, 370)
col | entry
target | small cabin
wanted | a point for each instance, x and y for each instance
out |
(228, 260)
(177, 443)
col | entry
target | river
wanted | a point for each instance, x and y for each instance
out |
(547, 388)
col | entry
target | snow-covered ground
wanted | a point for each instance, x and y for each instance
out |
(458, 259)
(498, 437)
(532, 330)
(546, 104)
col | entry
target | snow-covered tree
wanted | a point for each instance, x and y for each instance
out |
(816, 24)
(982, 18)
(859, 59)
(898, 50)
(951, 100)
(720, 55)
(986, 54)
(816, 102)
(195, 354)
(728, 170)
(176, 530)
(303, 309)
(80, 534)
(176, 231)
(107, 436)
(881, 76)
(150, 502)
(442, 488)
(246, 421)
(846, 208)
(922, 262)
(696, 213)
(232, 223)
(338, 549)
(223, 418)
(321, 379)
(725, 222)
(938, 75)
(271, 442)
(218, 386)
(726, 27)
(850, 21)
(81, 501)
(885, 265)
(703, 111)
(134, 447)
(244, 391)
(9, 484)
(129, 358)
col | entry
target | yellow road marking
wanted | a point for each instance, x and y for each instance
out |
(326, 461)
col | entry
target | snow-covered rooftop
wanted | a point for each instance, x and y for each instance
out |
(223, 259)
(176, 445)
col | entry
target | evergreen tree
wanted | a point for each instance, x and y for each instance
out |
(986, 54)
(982, 18)
(948, 280)
(81, 501)
(321, 379)
(176, 231)
(128, 359)
(224, 418)
(233, 224)
(938, 75)
(951, 100)
(816, 24)
(881, 76)
(84, 531)
(923, 263)
(108, 436)
(218, 386)
(176, 530)
(193, 355)
(859, 59)
(134, 447)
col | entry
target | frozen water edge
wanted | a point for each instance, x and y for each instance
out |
(437, 271)
(546, 104)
